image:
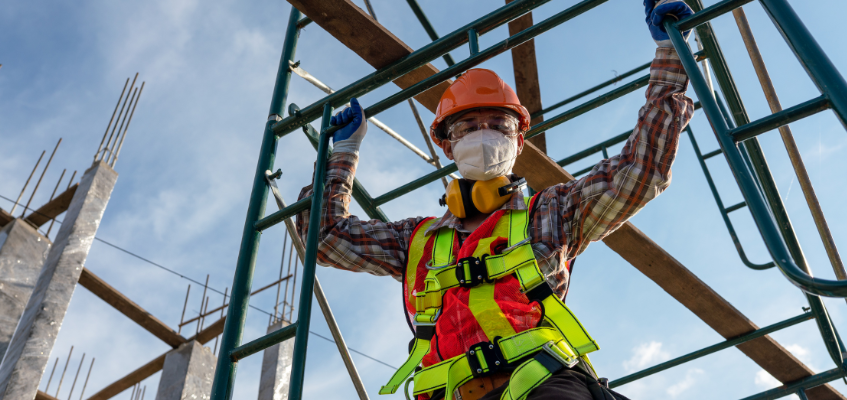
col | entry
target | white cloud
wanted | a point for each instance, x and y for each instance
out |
(764, 379)
(646, 354)
(686, 383)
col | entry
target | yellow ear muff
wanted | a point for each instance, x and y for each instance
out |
(454, 199)
(486, 195)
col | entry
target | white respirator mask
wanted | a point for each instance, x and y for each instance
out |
(485, 154)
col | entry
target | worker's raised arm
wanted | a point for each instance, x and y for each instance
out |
(592, 207)
(345, 241)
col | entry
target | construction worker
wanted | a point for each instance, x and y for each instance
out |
(483, 286)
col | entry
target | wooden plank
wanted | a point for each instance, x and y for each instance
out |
(354, 28)
(5, 217)
(53, 208)
(127, 307)
(44, 396)
(155, 365)
(527, 87)
(542, 172)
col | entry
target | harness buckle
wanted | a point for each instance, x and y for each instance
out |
(564, 358)
(485, 358)
(476, 273)
(432, 321)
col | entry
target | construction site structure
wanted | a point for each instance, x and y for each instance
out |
(418, 79)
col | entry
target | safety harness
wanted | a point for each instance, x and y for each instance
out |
(533, 354)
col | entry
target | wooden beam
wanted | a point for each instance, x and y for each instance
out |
(337, 17)
(5, 217)
(526, 76)
(127, 307)
(44, 396)
(155, 365)
(354, 28)
(53, 208)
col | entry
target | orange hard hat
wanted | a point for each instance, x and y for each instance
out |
(476, 88)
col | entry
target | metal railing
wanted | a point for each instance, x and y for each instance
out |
(738, 144)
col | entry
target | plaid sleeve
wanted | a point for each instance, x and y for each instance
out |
(348, 243)
(574, 214)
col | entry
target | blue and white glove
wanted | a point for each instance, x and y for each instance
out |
(657, 10)
(349, 138)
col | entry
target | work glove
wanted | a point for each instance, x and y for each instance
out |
(657, 10)
(349, 138)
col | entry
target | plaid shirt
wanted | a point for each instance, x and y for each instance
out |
(567, 217)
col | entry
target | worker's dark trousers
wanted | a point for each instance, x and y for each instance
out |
(564, 385)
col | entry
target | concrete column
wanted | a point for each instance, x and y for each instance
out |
(22, 253)
(188, 373)
(276, 367)
(35, 335)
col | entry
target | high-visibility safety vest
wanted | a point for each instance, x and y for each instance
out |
(492, 289)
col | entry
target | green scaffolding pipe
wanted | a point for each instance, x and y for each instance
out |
(753, 155)
(709, 13)
(588, 106)
(304, 312)
(781, 118)
(416, 8)
(711, 349)
(592, 89)
(233, 332)
(807, 50)
(411, 62)
(263, 342)
(281, 215)
(805, 383)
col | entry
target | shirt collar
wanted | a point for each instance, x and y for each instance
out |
(516, 202)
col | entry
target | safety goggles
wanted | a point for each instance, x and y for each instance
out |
(495, 120)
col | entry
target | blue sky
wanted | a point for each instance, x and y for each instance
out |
(188, 162)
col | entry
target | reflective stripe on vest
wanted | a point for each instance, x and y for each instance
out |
(564, 341)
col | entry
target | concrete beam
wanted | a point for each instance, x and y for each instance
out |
(127, 307)
(542, 172)
(22, 254)
(52, 208)
(35, 335)
(526, 76)
(276, 367)
(155, 365)
(187, 373)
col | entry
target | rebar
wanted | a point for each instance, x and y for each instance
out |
(223, 306)
(101, 154)
(790, 145)
(184, 306)
(205, 308)
(63, 371)
(110, 147)
(134, 388)
(90, 366)
(27, 182)
(51, 375)
(37, 184)
(79, 368)
(103, 140)
(126, 128)
(202, 299)
(70, 182)
(52, 220)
